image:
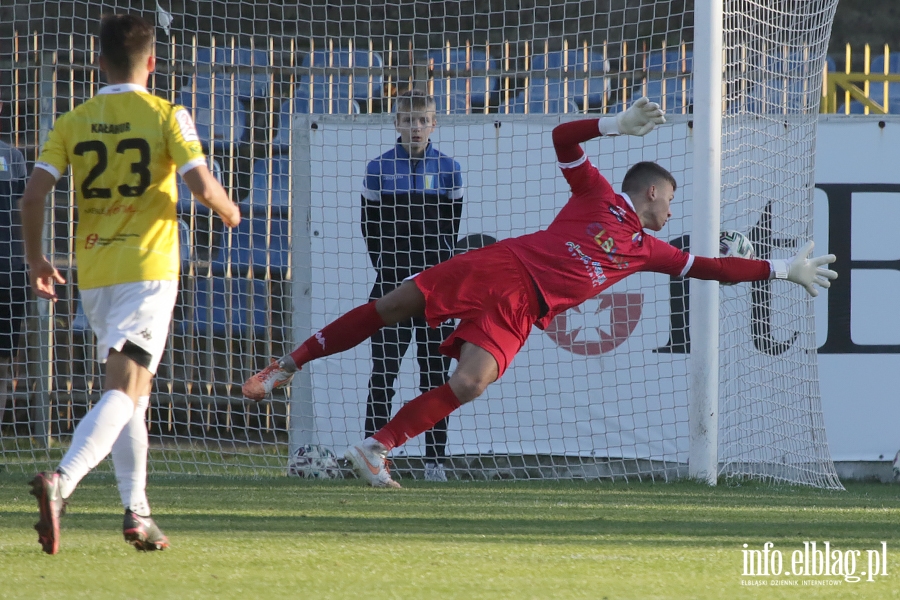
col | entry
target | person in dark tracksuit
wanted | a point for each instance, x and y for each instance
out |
(411, 208)
(13, 279)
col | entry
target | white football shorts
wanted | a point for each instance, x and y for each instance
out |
(138, 312)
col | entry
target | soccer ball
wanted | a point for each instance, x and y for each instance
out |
(313, 462)
(895, 467)
(735, 244)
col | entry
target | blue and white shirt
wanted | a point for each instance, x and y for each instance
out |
(411, 209)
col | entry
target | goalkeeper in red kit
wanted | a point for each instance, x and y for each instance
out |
(499, 292)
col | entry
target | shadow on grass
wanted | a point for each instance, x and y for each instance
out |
(682, 514)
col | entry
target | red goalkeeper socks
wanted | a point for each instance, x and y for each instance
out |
(418, 416)
(343, 333)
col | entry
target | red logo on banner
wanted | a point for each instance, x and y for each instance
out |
(624, 314)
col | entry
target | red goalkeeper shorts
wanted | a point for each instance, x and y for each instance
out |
(493, 296)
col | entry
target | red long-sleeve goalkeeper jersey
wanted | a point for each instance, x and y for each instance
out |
(595, 240)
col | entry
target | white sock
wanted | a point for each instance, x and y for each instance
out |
(94, 438)
(129, 454)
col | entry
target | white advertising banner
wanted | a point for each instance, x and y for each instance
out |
(857, 209)
(610, 392)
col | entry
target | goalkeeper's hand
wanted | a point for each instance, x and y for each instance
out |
(806, 271)
(641, 118)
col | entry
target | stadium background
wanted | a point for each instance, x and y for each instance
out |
(247, 537)
(63, 25)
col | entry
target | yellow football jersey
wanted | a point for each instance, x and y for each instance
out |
(124, 146)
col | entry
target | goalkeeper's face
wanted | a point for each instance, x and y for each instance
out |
(659, 197)
(415, 127)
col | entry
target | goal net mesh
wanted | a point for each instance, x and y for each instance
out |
(294, 102)
(771, 422)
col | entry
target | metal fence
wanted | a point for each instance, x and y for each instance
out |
(234, 311)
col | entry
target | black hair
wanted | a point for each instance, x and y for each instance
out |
(125, 41)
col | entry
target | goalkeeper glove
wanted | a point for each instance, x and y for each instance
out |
(806, 271)
(640, 119)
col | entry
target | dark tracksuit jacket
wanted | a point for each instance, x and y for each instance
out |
(411, 209)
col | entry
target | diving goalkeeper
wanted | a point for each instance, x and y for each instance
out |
(499, 292)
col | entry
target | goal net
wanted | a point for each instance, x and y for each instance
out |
(295, 104)
(771, 421)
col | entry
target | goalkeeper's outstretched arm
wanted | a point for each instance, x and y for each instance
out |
(802, 270)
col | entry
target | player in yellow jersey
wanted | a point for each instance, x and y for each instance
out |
(124, 146)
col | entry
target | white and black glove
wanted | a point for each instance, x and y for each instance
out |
(641, 118)
(806, 271)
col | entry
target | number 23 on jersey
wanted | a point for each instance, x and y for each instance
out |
(137, 147)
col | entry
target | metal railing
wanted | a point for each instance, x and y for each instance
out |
(842, 89)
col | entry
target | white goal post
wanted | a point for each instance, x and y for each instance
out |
(703, 409)
(654, 379)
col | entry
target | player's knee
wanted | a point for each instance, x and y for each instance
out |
(467, 386)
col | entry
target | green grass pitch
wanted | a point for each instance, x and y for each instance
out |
(288, 538)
